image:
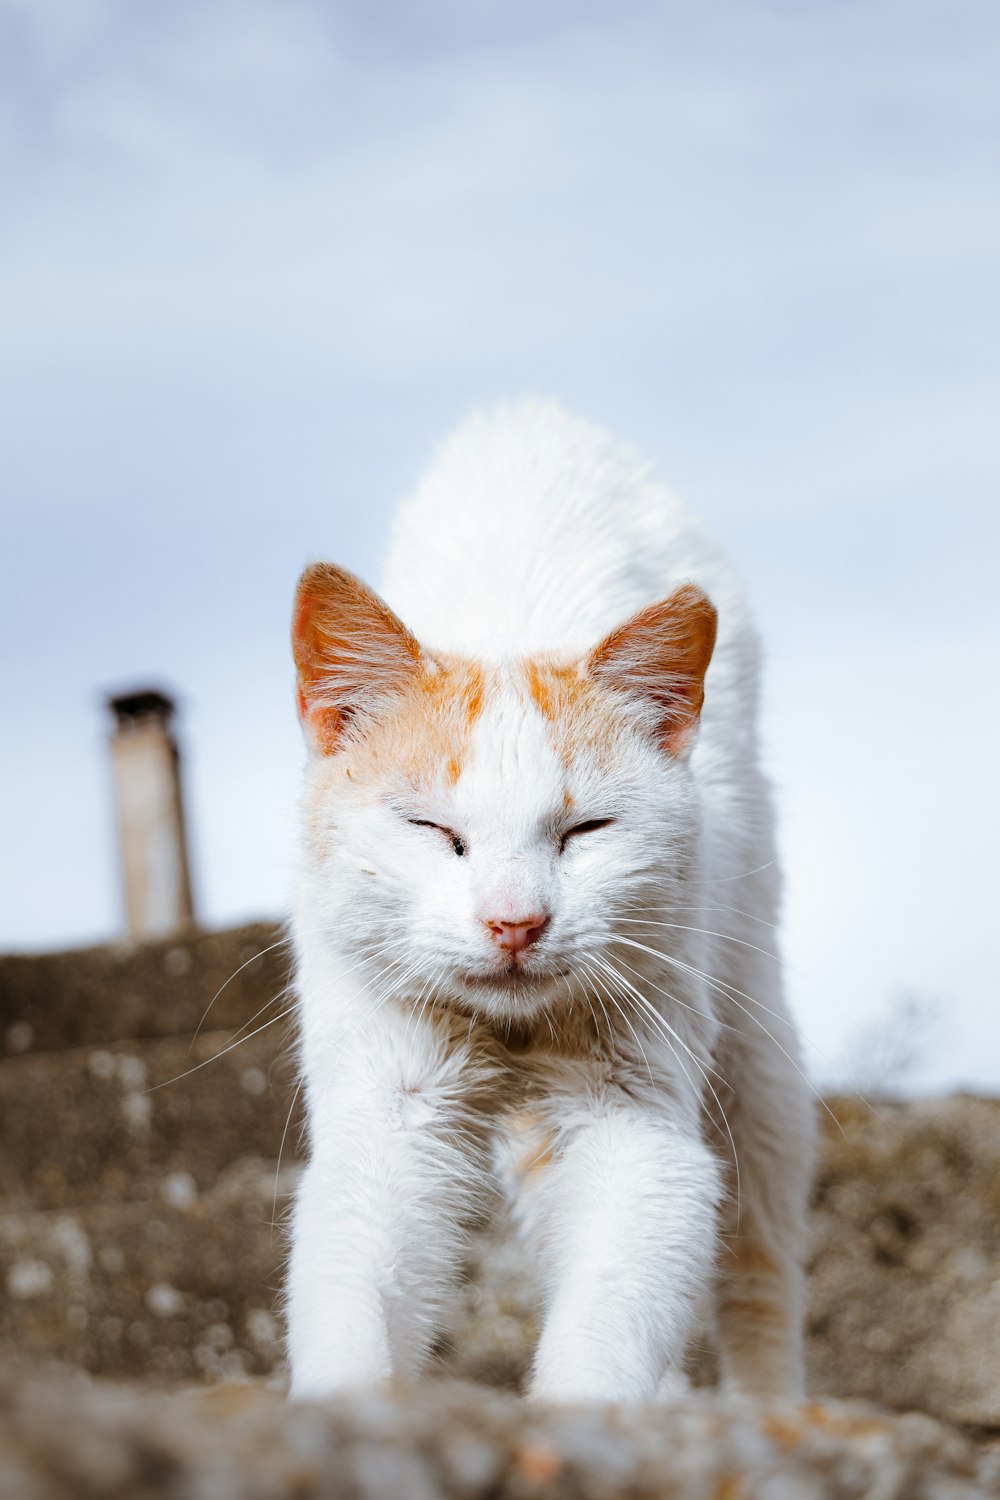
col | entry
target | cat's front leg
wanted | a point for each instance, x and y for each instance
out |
(377, 1229)
(628, 1222)
(337, 1304)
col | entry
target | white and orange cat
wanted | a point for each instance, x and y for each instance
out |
(534, 931)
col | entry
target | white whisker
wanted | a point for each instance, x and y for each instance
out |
(729, 992)
(216, 1056)
(628, 1023)
(661, 1021)
(281, 943)
(705, 931)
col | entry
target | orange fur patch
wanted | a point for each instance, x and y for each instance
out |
(536, 1144)
(474, 692)
(423, 733)
(553, 686)
(581, 714)
(534, 1164)
(459, 685)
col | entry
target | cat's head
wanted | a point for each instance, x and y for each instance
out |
(488, 831)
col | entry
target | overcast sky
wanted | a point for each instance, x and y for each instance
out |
(256, 258)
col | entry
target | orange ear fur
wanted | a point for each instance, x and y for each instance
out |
(350, 651)
(662, 654)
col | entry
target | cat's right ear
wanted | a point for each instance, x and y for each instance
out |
(350, 652)
(661, 656)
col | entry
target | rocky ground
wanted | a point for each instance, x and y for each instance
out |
(141, 1250)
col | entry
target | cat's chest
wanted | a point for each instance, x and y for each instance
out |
(538, 1071)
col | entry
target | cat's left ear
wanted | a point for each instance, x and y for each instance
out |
(351, 652)
(661, 656)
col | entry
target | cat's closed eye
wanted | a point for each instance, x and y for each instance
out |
(455, 839)
(592, 825)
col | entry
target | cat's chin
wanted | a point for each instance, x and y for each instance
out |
(511, 992)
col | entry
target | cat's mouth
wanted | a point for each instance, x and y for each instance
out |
(514, 980)
(513, 977)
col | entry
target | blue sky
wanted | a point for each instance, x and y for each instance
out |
(256, 258)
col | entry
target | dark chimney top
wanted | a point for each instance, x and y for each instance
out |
(147, 703)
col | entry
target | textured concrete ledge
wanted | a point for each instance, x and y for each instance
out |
(124, 992)
(442, 1441)
(108, 1124)
(904, 1278)
(180, 1287)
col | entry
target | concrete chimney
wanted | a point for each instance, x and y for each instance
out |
(151, 835)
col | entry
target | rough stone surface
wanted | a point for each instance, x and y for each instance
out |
(126, 991)
(904, 1295)
(450, 1442)
(183, 1287)
(130, 1114)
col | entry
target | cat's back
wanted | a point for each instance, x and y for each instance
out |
(534, 530)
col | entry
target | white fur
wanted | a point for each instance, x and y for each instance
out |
(533, 532)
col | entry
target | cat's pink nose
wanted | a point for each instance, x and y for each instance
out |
(514, 937)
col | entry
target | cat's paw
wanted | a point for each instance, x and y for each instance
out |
(322, 1385)
(318, 1373)
(583, 1384)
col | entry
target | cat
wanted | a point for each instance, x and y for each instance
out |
(534, 932)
